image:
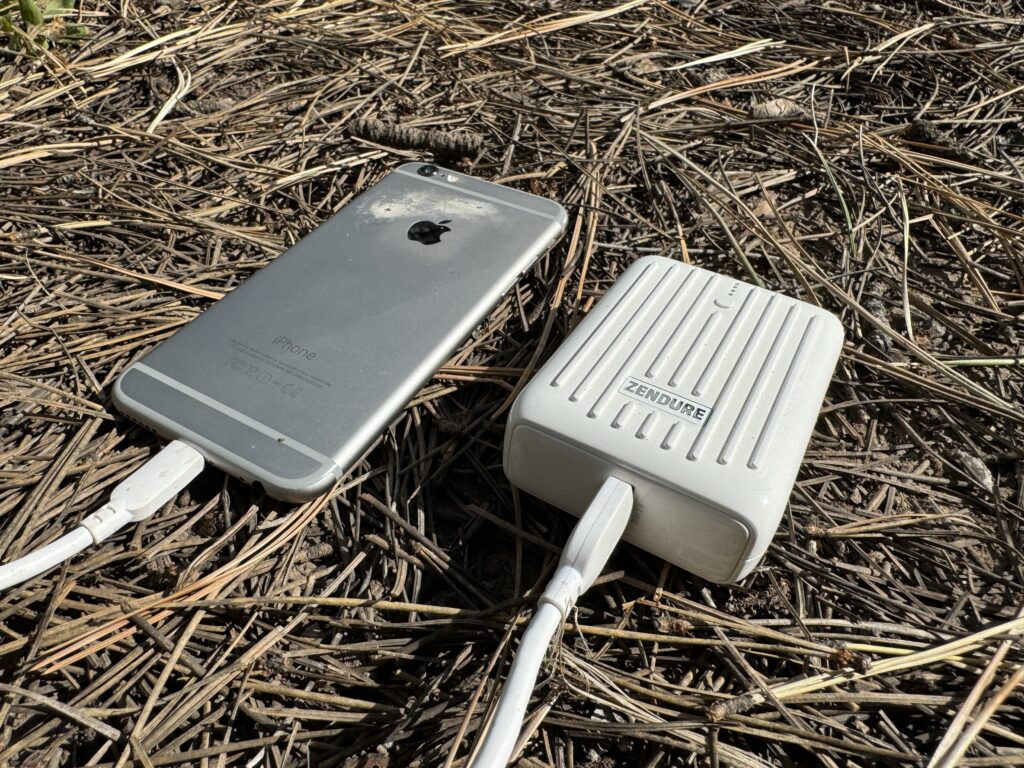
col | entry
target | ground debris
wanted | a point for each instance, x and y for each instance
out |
(779, 108)
(868, 157)
(441, 143)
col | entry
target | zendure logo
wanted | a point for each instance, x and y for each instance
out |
(667, 401)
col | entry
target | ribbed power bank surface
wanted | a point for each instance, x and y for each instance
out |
(697, 389)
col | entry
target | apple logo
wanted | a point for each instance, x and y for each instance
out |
(427, 232)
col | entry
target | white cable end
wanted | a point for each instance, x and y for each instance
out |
(590, 545)
(144, 491)
(158, 481)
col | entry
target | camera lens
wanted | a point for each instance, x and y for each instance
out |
(428, 170)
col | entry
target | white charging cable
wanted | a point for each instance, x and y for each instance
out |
(144, 491)
(584, 556)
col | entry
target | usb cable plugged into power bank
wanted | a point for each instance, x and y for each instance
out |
(588, 549)
(675, 416)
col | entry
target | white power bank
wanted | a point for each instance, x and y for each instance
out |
(698, 390)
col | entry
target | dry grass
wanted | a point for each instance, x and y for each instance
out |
(865, 156)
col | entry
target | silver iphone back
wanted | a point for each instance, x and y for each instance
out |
(285, 381)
